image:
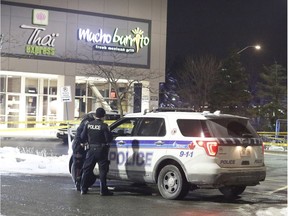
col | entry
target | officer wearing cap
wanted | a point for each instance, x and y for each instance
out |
(98, 135)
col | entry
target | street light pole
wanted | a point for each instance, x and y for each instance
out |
(257, 47)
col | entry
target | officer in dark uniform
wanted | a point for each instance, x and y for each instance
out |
(99, 136)
(79, 152)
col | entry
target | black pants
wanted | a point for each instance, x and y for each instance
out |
(96, 155)
(79, 155)
(78, 159)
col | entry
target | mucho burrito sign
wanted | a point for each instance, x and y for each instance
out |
(131, 43)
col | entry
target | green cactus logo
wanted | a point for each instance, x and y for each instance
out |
(138, 33)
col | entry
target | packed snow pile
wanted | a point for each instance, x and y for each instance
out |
(15, 160)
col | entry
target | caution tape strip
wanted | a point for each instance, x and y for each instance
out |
(42, 122)
(65, 124)
(31, 129)
(275, 144)
(69, 123)
(273, 133)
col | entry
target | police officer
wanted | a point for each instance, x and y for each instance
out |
(79, 152)
(98, 135)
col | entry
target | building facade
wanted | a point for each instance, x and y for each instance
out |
(60, 59)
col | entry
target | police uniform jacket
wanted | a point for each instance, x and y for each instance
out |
(87, 118)
(97, 132)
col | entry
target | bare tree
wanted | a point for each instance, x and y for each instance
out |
(196, 79)
(115, 75)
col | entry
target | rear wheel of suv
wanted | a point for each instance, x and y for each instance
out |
(172, 184)
(232, 191)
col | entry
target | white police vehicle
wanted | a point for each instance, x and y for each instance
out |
(182, 151)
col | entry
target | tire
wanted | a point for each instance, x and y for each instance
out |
(172, 183)
(231, 192)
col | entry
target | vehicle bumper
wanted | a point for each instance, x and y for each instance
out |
(227, 177)
(62, 135)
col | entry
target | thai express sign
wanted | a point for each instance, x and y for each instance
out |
(38, 44)
(115, 42)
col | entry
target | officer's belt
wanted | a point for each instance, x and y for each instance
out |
(98, 145)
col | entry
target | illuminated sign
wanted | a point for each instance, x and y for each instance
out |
(38, 36)
(37, 44)
(124, 43)
(40, 17)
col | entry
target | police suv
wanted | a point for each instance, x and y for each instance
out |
(181, 151)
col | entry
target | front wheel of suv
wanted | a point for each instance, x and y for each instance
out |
(172, 183)
(231, 192)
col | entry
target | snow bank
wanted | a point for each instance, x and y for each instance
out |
(12, 160)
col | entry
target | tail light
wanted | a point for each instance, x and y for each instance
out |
(211, 147)
(263, 148)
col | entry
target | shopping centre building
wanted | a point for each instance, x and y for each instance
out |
(61, 59)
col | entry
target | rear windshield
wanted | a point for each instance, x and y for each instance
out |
(225, 128)
(232, 127)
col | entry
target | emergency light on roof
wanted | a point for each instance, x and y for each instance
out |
(171, 109)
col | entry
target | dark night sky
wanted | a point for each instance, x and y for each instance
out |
(200, 27)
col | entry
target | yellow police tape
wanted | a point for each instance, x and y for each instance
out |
(271, 139)
(42, 125)
(275, 144)
(52, 125)
(46, 125)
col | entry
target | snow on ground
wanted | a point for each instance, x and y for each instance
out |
(13, 160)
(272, 212)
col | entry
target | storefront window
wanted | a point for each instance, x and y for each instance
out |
(49, 100)
(53, 87)
(50, 87)
(2, 83)
(14, 84)
(91, 95)
(2, 103)
(34, 102)
(13, 110)
(31, 110)
(49, 106)
(80, 89)
(104, 89)
(31, 85)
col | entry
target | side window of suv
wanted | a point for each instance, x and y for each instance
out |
(193, 128)
(124, 127)
(151, 127)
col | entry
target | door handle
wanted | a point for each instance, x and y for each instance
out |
(121, 142)
(158, 143)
